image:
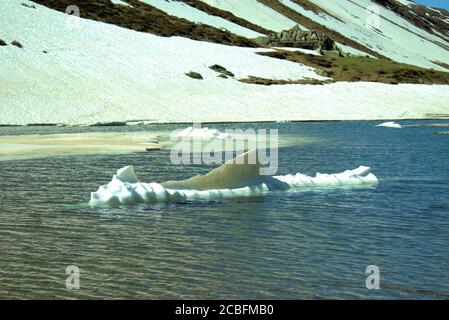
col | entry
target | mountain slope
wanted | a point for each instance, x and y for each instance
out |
(432, 20)
(71, 70)
(78, 71)
(140, 16)
(183, 10)
(405, 33)
(393, 29)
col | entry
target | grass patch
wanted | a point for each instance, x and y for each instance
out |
(357, 68)
(270, 82)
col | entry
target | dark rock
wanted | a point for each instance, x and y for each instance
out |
(297, 38)
(2, 43)
(45, 51)
(222, 70)
(31, 6)
(218, 68)
(194, 75)
(17, 44)
(223, 76)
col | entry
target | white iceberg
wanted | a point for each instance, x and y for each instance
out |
(227, 181)
(390, 124)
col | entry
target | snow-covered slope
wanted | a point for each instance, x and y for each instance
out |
(182, 10)
(433, 20)
(255, 12)
(75, 71)
(384, 32)
(363, 21)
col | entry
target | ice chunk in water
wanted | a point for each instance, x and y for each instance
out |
(227, 181)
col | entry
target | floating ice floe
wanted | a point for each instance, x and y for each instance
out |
(230, 180)
(202, 133)
(283, 121)
(390, 124)
(138, 123)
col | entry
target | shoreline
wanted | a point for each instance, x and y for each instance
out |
(150, 123)
(36, 145)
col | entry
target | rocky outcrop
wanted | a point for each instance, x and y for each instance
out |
(194, 75)
(2, 43)
(312, 25)
(297, 38)
(17, 44)
(30, 6)
(222, 70)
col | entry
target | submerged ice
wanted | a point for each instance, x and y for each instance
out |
(230, 180)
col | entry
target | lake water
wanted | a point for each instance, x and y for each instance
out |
(286, 245)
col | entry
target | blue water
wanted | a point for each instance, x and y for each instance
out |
(314, 244)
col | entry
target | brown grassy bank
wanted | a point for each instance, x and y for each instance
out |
(355, 68)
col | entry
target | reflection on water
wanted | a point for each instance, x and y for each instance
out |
(312, 244)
